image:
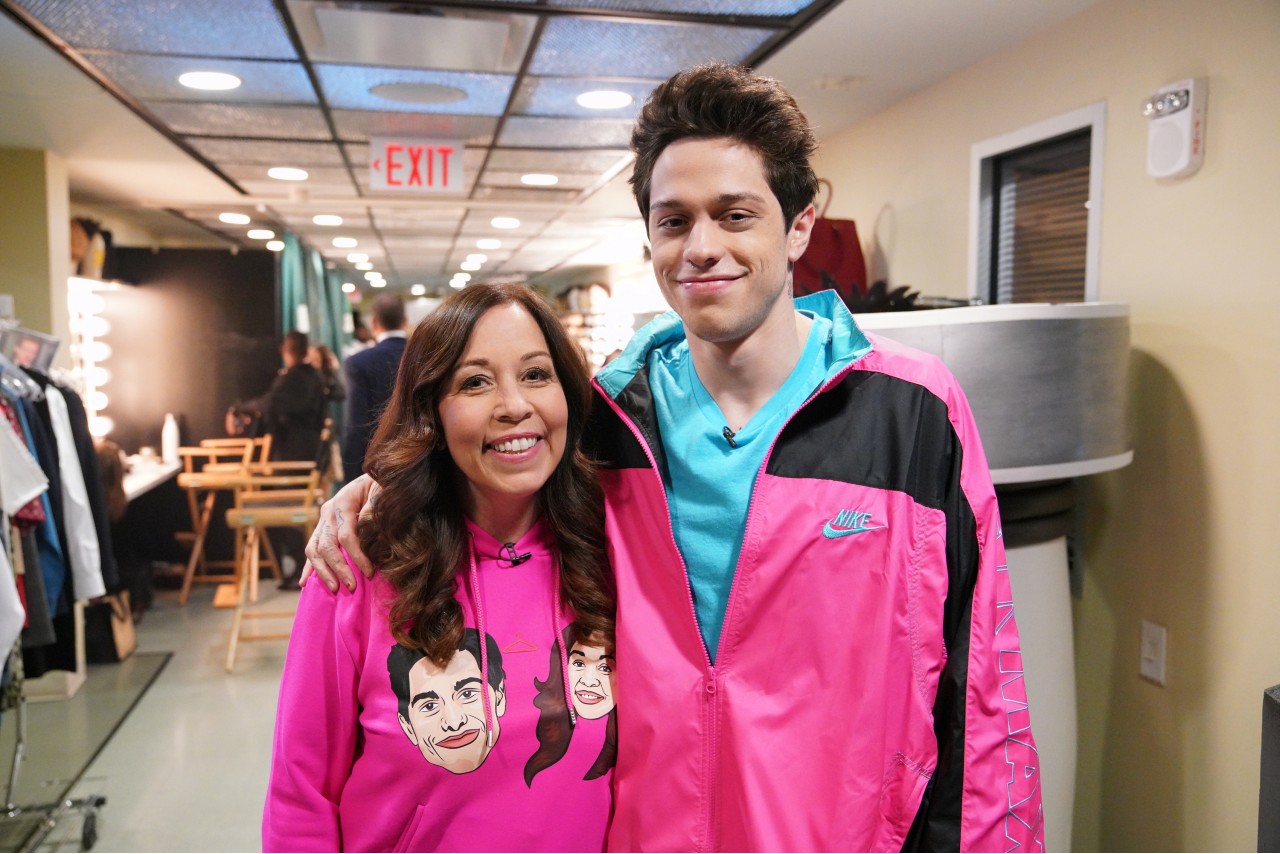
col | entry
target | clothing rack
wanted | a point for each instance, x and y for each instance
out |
(25, 827)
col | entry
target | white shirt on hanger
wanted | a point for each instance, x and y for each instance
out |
(82, 536)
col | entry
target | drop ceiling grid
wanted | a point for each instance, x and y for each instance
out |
(318, 112)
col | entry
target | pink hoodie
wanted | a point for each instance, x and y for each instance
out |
(355, 769)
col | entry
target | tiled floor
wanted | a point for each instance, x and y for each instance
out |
(187, 769)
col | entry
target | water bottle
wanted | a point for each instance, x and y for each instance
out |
(169, 439)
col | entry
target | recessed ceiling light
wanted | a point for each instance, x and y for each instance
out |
(210, 81)
(469, 265)
(234, 218)
(348, 288)
(488, 243)
(364, 265)
(357, 257)
(378, 283)
(462, 277)
(604, 99)
(373, 275)
(504, 222)
(418, 93)
(477, 257)
(539, 179)
(418, 290)
(457, 284)
(345, 242)
(261, 234)
(275, 245)
(287, 173)
(327, 219)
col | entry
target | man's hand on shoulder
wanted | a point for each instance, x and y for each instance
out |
(336, 532)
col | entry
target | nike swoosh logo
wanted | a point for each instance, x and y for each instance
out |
(832, 533)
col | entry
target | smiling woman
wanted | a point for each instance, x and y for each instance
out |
(489, 537)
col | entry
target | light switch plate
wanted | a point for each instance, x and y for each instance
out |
(1151, 664)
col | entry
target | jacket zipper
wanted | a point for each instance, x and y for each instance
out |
(711, 708)
(764, 464)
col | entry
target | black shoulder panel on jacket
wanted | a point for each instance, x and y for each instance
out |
(608, 440)
(873, 430)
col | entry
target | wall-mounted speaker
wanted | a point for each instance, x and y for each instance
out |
(1175, 129)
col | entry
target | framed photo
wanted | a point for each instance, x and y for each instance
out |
(28, 348)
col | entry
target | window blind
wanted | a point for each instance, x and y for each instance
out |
(1039, 242)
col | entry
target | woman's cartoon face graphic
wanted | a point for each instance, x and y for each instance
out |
(591, 680)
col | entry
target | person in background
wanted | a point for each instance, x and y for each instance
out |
(323, 360)
(490, 546)
(816, 641)
(370, 375)
(293, 413)
(293, 409)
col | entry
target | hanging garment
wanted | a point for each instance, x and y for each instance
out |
(31, 514)
(92, 471)
(12, 614)
(51, 564)
(82, 535)
(21, 475)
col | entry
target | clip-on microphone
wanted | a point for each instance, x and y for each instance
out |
(509, 554)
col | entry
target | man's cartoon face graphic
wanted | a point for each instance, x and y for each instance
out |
(591, 680)
(446, 713)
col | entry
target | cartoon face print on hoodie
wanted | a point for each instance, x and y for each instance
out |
(443, 710)
(589, 678)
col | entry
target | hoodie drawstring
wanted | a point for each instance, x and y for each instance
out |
(474, 577)
(564, 656)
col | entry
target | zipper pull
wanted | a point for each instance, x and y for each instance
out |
(728, 437)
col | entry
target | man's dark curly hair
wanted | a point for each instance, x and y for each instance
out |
(721, 100)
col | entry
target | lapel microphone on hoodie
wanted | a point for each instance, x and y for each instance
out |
(509, 554)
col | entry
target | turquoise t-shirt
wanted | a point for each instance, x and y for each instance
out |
(710, 480)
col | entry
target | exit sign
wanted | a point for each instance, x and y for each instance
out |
(415, 165)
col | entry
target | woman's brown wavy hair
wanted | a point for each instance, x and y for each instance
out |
(416, 533)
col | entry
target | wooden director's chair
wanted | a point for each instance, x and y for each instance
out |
(204, 471)
(265, 501)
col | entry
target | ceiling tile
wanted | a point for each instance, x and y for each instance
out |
(165, 26)
(555, 96)
(591, 47)
(269, 189)
(316, 176)
(359, 125)
(761, 8)
(414, 245)
(561, 163)
(155, 78)
(284, 122)
(498, 178)
(361, 87)
(531, 132)
(268, 152)
(521, 194)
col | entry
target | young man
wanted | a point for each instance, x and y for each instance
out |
(815, 630)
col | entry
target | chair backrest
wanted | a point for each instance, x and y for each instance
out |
(223, 453)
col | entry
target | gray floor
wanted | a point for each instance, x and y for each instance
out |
(187, 769)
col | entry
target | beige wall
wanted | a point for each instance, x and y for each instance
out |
(35, 240)
(1184, 536)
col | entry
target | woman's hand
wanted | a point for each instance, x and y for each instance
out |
(337, 531)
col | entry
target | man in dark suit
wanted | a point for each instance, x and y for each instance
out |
(371, 374)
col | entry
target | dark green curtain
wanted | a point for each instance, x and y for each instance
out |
(304, 281)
